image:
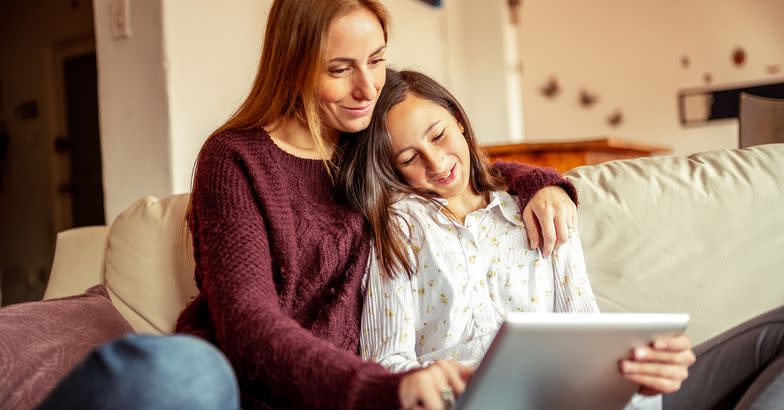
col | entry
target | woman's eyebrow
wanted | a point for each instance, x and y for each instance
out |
(351, 60)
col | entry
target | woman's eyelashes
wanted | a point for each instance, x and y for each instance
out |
(340, 70)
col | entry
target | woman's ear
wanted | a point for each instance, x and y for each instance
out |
(461, 127)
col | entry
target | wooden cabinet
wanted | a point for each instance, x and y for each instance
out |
(564, 156)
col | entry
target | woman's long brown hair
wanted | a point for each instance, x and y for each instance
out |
(292, 59)
(367, 177)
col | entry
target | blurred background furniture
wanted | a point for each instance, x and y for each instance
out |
(761, 120)
(566, 155)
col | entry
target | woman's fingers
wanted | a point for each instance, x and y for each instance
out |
(423, 389)
(452, 376)
(531, 227)
(546, 219)
(562, 228)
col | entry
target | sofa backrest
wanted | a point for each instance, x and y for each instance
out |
(149, 263)
(702, 234)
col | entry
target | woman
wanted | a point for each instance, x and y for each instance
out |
(279, 263)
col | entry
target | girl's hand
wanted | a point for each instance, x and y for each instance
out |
(552, 216)
(660, 368)
(427, 387)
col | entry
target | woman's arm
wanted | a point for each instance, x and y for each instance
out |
(548, 200)
(266, 347)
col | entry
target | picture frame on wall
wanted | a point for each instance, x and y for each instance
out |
(434, 3)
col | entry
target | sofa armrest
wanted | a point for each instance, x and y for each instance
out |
(79, 261)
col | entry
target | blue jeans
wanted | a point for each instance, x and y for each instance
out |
(149, 372)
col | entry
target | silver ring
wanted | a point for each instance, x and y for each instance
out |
(448, 398)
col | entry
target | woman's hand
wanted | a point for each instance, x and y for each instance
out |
(428, 387)
(551, 217)
(660, 368)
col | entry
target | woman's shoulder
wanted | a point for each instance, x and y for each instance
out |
(231, 142)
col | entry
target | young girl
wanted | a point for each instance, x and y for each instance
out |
(447, 266)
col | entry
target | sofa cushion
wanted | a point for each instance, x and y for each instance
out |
(41, 341)
(701, 234)
(149, 263)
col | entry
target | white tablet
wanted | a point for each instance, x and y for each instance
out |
(563, 361)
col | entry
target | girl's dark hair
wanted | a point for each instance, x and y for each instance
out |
(368, 180)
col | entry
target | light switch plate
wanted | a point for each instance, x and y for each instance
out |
(120, 18)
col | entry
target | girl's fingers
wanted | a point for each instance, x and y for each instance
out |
(658, 370)
(644, 354)
(653, 384)
(673, 343)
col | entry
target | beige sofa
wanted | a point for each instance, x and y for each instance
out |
(703, 234)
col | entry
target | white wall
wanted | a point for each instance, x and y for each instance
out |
(134, 107)
(213, 51)
(418, 38)
(629, 53)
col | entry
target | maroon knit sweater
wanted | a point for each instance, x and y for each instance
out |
(279, 266)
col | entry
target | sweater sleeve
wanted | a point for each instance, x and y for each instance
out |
(269, 350)
(526, 180)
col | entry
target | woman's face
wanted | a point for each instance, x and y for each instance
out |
(355, 71)
(428, 147)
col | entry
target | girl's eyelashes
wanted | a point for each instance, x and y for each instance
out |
(408, 161)
(438, 137)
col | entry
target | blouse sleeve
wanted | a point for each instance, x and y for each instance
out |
(573, 291)
(388, 320)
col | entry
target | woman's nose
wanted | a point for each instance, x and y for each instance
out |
(364, 87)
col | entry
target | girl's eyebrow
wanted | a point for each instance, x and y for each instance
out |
(424, 135)
(351, 60)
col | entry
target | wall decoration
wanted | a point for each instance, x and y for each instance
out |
(434, 3)
(551, 89)
(587, 99)
(615, 119)
(773, 68)
(707, 78)
(739, 57)
(685, 61)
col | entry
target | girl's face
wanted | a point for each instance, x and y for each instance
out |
(355, 71)
(428, 147)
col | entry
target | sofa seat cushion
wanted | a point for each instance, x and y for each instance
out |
(42, 341)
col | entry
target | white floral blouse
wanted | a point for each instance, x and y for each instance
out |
(467, 278)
